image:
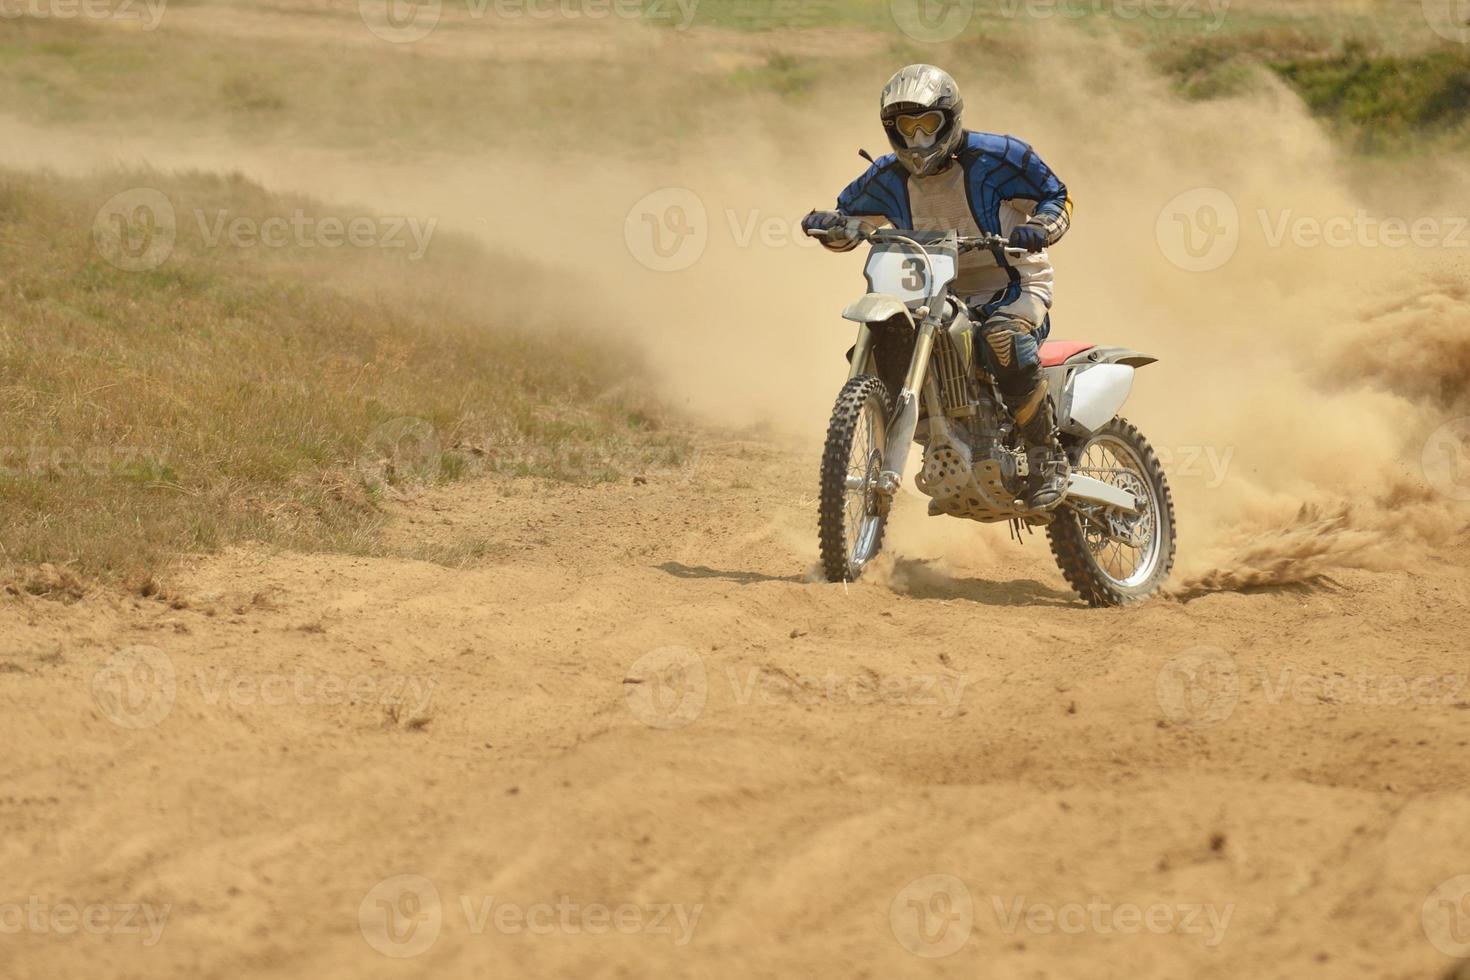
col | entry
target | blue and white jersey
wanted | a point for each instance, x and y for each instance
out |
(999, 183)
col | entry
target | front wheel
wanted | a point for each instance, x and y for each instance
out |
(850, 512)
(1112, 559)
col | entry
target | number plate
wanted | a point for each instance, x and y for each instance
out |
(900, 271)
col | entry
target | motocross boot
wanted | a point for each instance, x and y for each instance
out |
(1047, 461)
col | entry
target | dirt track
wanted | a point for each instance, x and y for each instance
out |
(637, 703)
(962, 717)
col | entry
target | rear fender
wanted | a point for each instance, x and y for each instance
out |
(1090, 396)
(1091, 386)
(1111, 355)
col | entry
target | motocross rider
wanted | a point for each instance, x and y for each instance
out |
(943, 178)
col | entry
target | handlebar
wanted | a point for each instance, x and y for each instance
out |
(861, 230)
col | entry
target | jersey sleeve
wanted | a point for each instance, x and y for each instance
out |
(1033, 180)
(876, 194)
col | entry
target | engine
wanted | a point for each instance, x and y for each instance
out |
(968, 470)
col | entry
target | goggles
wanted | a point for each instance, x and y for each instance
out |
(927, 123)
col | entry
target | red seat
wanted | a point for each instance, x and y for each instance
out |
(1055, 352)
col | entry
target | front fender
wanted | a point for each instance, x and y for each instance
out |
(877, 307)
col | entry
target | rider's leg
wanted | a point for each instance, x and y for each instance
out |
(1011, 349)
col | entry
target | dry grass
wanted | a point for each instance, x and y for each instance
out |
(267, 393)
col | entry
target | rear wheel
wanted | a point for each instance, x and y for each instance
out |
(850, 519)
(1110, 558)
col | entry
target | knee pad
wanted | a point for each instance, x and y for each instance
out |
(1013, 359)
(1005, 341)
(1001, 339)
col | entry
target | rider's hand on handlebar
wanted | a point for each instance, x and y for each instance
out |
(1028, 237)
(824, 224)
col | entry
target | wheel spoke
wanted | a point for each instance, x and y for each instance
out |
(1123, 560)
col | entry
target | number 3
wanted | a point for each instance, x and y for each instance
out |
(915, 269)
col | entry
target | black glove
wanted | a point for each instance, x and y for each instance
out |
(820, 221)
(1029, 237)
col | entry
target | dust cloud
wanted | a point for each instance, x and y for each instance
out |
(1298, 382)
(1299, 379)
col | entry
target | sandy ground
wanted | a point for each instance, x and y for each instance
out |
(639, 742)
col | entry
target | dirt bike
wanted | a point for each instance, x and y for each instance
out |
(917, 377)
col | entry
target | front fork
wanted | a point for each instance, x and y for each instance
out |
(906, 406)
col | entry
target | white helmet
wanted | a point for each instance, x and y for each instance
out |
(921, 108)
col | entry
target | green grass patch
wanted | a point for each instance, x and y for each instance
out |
(1385, 102)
